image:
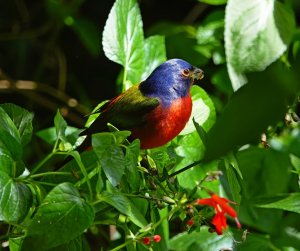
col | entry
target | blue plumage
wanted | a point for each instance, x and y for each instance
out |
(167, 82)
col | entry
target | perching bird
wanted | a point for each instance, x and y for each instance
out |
(157, 109)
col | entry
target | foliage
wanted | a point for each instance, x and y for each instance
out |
(242, 142)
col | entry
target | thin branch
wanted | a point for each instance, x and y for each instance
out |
(185, 168)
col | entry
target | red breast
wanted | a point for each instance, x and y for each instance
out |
(163, 124)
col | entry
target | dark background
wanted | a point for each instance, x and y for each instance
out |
(64, 65)
(36, 45)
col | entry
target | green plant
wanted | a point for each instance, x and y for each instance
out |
(145, 194)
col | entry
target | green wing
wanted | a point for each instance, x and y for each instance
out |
(126, 111)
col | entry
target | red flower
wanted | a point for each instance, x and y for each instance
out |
(156, 238)
(146, 240)
(221, 207)
(190, 222)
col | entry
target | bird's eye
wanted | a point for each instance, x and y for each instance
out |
(185, 73)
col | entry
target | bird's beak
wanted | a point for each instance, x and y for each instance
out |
(197, 74)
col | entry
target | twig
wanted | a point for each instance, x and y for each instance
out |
(185, 168)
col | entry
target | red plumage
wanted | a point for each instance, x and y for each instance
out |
(163, 124)
(157, 109)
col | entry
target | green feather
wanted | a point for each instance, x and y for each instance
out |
(126, 111)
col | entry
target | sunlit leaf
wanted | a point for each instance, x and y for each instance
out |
(155, 54)
(257, 32)
(123, 39)
(203, 111)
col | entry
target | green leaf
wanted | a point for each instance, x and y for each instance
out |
(202, 240)
(10, 145)
(61, 217)
(77, 244)
(110, 156)
(125, 206)
(214, 2)
(6, 124)
(131, 160)
(257, 242)
(22, 120)
(251, 110)
(10, 142)
(60, 126)
(233, 182)
(15, 244)
(289, 203)
(190, 146)
(268, 169)
(15, 199)
(6, 162)
(49, 135)
(155, 54)
(203, 111)
(201, 132)
(191, 177)
(123, 39)
(256, 34)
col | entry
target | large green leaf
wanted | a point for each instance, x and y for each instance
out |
(125, 206)
(110, 156)
(257, 32)
(203, 111)
(77, 244)
(15, 199)
(155, 54)
(61, 217)
(288, 203)
(123, 39)
(251, 110)
(268, 169)
(22, 120)
(202, 240)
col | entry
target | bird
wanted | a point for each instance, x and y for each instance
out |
(156, 110)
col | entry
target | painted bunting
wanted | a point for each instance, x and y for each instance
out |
(157, 109)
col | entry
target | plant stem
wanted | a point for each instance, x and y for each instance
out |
(39, 165)
(185, 168)
(124, 78)
(46, 183)
(155, 225)
(50, 173)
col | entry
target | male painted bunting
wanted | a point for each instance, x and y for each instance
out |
(157, 109)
